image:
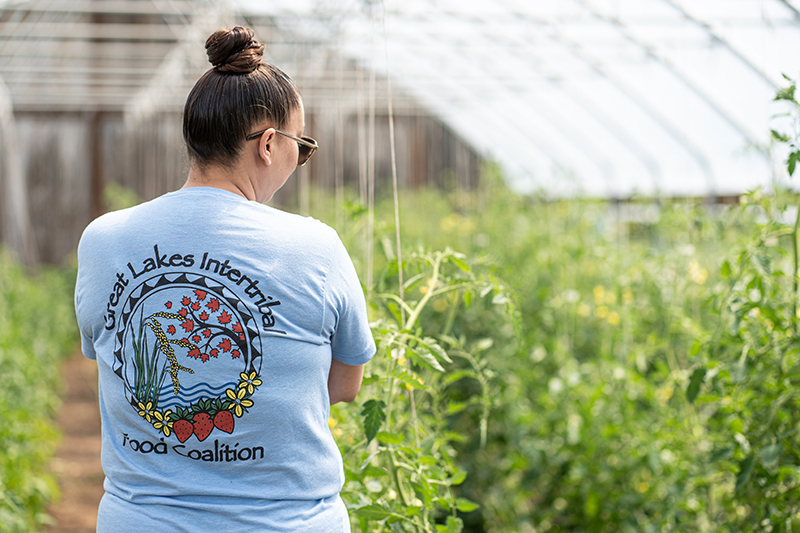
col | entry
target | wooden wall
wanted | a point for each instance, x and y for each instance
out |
(68, 157)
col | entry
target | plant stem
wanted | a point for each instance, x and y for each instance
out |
(428, 295)
(795, 273)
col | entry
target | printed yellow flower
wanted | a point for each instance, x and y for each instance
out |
(163, 422)
(146, 411)
(239, 400)
(249, 382)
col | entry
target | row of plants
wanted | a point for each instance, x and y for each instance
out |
(577, 365)
(37, 330)
(578, 369)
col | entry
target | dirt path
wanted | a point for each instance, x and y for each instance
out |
(77, 461)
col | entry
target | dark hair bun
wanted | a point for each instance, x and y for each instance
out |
(234, 50)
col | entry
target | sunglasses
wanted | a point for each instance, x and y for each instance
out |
(306, 146)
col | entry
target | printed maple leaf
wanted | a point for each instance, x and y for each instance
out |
(188, 326)
(238, 328)
(183, 312)
(201, 295)
(214, 352)
(225, 345)
(186, 300)
(235, 354)
(168, 305)
(206, 333)
(224, 317)
(203, 316)
(196, 306)
(204, 357)
(196, 338)
(213, 304)
(171, 329)
(195, 352)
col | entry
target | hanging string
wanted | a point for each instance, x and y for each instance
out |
(396, 198)
(393, 152)
(371, 161)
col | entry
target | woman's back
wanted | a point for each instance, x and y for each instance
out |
(214, 321)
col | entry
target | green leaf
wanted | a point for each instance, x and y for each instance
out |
(745, 470)
(413, 510)
(369, 380)
(435, 349)
(453, 525)
(390, 438)
(726, 269)
(374, 512)
(792, 162)
(411, 380)
(460, 264)
(374, 416)
(769, 454)
(696, 347)
(465, 506)
(426, 358)
(695, 382)
(457, 478)
(786, 93)
(779, 136)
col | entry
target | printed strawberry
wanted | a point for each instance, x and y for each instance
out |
(183, 429)
(223, 420)
(202, 426)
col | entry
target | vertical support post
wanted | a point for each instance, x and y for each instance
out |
(98, 181)
(17, 232)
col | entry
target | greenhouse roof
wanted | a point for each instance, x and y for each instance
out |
(608, 98)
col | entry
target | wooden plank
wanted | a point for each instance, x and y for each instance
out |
(109, 7)
(147, 50)
(83, 31)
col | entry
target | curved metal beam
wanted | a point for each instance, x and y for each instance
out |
(651, 51)
(715, 34)
(597, 65)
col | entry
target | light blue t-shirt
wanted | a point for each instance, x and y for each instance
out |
(213, 320)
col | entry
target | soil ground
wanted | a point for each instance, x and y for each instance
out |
(77, 461)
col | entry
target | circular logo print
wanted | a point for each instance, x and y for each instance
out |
(189, 353)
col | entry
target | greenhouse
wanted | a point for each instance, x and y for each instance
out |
(575, 225)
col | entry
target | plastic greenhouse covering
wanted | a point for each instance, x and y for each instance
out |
(603, 98)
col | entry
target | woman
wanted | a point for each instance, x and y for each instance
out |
(223, 329)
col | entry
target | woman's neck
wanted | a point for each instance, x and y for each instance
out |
(221, 178)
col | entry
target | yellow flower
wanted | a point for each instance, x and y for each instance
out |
(163, 423)
(332, 422)
(613, 318)
(627, 297)
(601, 312)
(249, 382)
(697, 274)
(239, 400)
(599, 294)
(584, 310)
(146, 410)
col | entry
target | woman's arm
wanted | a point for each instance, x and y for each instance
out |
(344, 381)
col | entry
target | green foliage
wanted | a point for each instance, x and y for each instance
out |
(605, 415)
(37, 328)
(401, 471)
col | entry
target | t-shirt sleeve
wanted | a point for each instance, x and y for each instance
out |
(87, 345)
(351, 342)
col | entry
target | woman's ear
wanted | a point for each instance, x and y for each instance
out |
(265, 143)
